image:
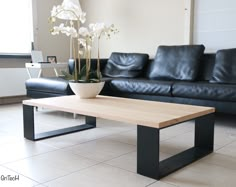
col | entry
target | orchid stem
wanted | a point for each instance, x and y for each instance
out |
(98, 62)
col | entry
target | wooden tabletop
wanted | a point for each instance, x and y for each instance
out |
(141, 112)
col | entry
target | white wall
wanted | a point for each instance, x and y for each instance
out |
(215, 24)
(12, 71)
(143, 24)
(12, 81)
(50, 45)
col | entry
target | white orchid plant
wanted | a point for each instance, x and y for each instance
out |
(83, 37)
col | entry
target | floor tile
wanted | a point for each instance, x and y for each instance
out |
(161, 184)
(74, 159)
(50, 165)
(102, 149)
(178, 129)
(49, 119)
(55, 119)
(129, 161)
(229, 150)
(223, 138)
(115, 125)
(179, 143)
(13, 126)
(8, 138)
(102, 175)
(77, 138)
(172, 147)
(130, 137)
(181, 139)
(22, 149)
(202, 174)
(221, 159)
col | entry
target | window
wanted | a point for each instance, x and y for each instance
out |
(16, 33)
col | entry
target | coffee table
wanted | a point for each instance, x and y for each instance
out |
(149, 116)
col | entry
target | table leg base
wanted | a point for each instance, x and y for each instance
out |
(181, 160)
(148, 146)
(29, 128)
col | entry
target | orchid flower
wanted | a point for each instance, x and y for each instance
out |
(68, 12)
(68, 30)
(83, 31)
(97, 29)
(71, 14)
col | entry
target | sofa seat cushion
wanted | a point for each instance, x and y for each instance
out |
(50, 85)
(141, 86)
(126, 65)
(176, 62)
(225, 67)
(204, 90)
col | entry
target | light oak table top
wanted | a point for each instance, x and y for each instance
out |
(141, 112)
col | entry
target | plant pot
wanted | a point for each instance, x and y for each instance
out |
(86, 90)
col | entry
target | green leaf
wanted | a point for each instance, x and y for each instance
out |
(67, 75)
(94, 80)
(82, 75)
(93, 76)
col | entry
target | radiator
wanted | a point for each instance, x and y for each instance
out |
(12, 81)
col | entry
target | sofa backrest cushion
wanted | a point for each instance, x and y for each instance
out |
(206, 67)
(176, 62)
(71, 64)
(225, 67)
(127, 65)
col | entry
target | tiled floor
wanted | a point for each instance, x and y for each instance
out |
(105, 156)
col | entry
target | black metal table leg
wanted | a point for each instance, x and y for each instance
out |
(148, 163)
(90, 120)
(148, 151)
(29, 130)
(28, 119)
(204, 132)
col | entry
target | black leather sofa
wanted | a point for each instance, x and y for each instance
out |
(178, 74)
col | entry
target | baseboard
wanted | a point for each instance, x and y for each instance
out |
(12, 99)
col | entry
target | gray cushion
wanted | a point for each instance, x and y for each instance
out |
(125, 65)
(176, 62)
(225, 67)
